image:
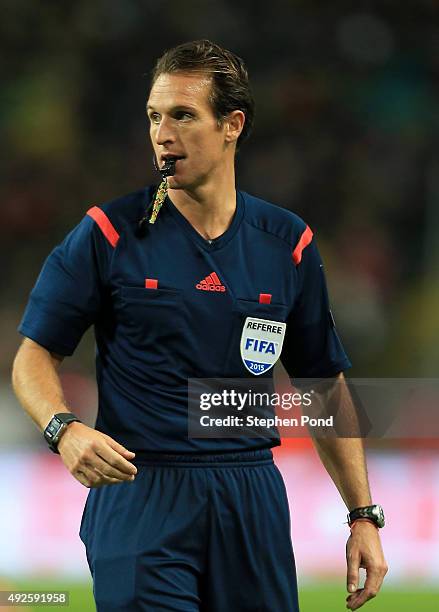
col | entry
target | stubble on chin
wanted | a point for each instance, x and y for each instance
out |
(174, 184)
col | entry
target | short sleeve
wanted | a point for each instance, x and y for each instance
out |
(312, 347)
(67, 296)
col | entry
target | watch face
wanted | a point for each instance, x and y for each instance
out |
(57, 435)
(379, 515)
(53, 429)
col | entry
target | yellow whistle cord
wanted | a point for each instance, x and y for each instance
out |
(160, 197)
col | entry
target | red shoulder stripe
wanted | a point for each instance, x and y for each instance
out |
(105, 225)
(304, 241)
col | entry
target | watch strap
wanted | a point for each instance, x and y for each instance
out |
(363, 520)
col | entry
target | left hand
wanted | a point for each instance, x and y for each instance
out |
(363, 549)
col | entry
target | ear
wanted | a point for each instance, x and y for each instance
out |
(234, 124)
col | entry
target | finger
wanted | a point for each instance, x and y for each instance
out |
(114, 459)
(372, 585)
(119, 448)
(373, 582)
(81, 478)
(356, 600)
(353, 567)
(359, 598)
(108, 470)
(120, 454)
(94, 479)
(375, 575)
(353, 602)
(108, 480)
(86, 477)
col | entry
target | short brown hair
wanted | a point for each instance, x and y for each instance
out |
(230, 84)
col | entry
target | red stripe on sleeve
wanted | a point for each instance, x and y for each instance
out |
(304, 241)
(105, 225)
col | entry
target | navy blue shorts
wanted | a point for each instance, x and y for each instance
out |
(204, 533)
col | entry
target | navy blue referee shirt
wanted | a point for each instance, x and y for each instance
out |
(172, 305)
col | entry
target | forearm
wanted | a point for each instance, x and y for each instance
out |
(345, 462)
(344, 457)
(93, 458)
(36, 383)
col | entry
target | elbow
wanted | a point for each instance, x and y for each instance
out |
(17, 365)
(16, 376)
(30, 353)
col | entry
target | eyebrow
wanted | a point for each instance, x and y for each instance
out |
(179, 107)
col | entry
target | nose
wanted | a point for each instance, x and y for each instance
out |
(164, 133)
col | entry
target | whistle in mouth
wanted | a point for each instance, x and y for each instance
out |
(168, 169)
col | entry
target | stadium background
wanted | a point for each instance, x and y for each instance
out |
(346, 135)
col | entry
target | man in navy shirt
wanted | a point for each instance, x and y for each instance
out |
(172, 292)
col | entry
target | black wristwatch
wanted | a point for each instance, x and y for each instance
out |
(56, 427)
(373, 513)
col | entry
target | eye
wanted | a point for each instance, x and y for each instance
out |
(154, 117)
(185, 115)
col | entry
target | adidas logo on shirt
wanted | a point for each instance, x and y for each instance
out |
(210, 283)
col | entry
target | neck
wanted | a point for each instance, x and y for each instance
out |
(209, 207)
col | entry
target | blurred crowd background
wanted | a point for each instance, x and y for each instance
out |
(346, 135)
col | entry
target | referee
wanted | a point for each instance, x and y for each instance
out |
(168, 277)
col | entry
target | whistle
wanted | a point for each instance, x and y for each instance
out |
(168, 169)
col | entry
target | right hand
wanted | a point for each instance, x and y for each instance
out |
(94, 458)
